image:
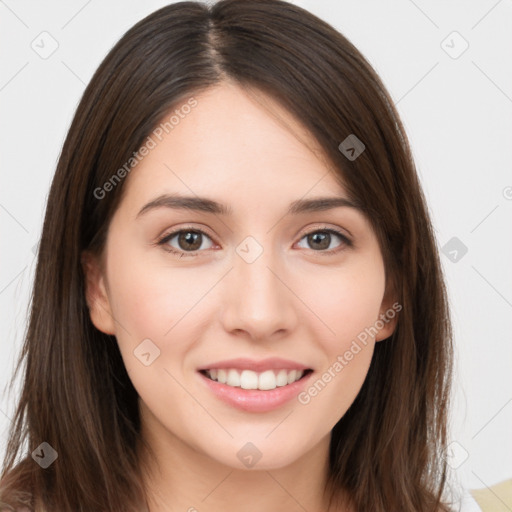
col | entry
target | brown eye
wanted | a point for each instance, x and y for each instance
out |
(319, 240)
(189, 240)
(325, 240)
(186, 241)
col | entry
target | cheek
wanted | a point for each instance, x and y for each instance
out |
(147, 302)
(155, 303)
(148, 296)
(348, 304)
(333, 389)
(346, 300)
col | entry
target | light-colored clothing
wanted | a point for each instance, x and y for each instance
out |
(468, 503)
(496, 498)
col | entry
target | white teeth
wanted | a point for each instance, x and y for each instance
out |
(267, 380)
(291, 376)
(233, 378)
(282, 378)
(222, 376)
(247, 379)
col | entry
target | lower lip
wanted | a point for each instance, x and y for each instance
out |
(255, 400)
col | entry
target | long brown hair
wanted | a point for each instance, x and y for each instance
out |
(386, 451)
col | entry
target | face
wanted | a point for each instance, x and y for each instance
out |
(258, 286)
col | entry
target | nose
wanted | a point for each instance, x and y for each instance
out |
(258, 300)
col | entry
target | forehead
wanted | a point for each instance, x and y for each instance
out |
(234, 139)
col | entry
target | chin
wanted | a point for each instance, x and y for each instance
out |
(260, 455)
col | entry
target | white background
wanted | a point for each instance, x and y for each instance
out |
(457, 113)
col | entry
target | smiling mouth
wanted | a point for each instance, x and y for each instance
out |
(248, 379)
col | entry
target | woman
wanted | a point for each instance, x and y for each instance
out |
(238, 301)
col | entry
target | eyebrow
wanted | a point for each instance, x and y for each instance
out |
(203, 204)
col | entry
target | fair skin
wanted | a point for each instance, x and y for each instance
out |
(294, 301)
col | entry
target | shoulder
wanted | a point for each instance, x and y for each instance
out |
(496, 498)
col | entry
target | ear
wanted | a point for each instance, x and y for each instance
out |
(388, 316)
(96, 294)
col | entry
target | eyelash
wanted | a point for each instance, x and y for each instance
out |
(166, 238)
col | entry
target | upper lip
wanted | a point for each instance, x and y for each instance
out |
(273, 363)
